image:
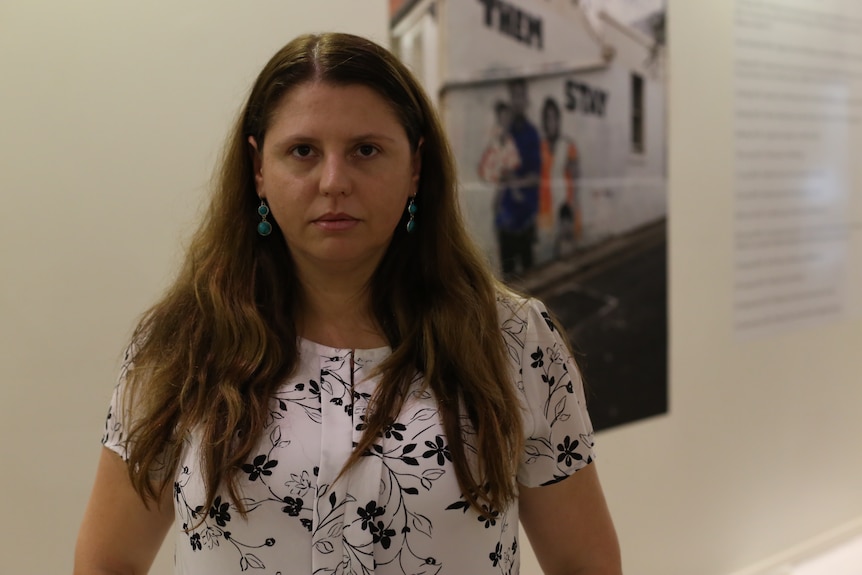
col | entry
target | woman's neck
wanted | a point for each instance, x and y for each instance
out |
(336, 312)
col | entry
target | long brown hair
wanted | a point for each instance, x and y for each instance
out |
(212, 353)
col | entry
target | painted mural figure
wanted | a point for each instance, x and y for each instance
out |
(517, 201)
(501, 156)
(559, 220)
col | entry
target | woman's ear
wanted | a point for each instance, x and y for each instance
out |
(257, 162)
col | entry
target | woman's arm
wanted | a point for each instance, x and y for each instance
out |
(569, 526)
(119, 535)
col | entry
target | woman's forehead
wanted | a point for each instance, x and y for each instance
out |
(314, 108)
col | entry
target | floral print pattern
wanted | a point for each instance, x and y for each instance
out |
(399, 510)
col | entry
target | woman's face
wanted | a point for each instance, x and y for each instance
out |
(336, 169)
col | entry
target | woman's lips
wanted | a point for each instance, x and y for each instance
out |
(336, 222)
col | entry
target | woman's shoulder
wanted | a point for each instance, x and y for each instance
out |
(516, 307)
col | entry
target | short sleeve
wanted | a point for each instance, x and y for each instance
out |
(558, 434)
(114, 437)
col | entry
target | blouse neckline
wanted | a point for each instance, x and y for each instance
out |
(319, 349)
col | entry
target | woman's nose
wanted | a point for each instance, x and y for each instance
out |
(335, 176)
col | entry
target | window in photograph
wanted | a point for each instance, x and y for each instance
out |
(637, 134)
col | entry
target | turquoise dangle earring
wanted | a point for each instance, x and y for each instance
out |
(411, 209)
(264, 228)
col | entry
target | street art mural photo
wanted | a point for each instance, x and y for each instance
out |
(556, 110)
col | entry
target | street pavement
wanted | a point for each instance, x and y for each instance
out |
(612, 301)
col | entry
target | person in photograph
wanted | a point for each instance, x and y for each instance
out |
(518, 202)
(500, 158)
(336, 383)
(559, 210)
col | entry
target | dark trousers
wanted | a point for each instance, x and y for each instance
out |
(515, 248)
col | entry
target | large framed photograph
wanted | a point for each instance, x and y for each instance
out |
(557, 115)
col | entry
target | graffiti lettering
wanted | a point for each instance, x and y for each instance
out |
(585, 99)
(514, 22)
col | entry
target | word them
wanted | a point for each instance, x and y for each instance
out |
(514, 22)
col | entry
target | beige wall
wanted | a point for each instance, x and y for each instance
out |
(760, 453)
(111, 114)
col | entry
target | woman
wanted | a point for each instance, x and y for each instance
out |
(335, 383)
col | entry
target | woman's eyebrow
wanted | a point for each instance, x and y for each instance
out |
(303, 138)
(372, 136)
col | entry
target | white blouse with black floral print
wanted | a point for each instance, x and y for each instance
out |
(400, 510)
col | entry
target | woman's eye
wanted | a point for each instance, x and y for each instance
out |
(366, 150)
(302, 151)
